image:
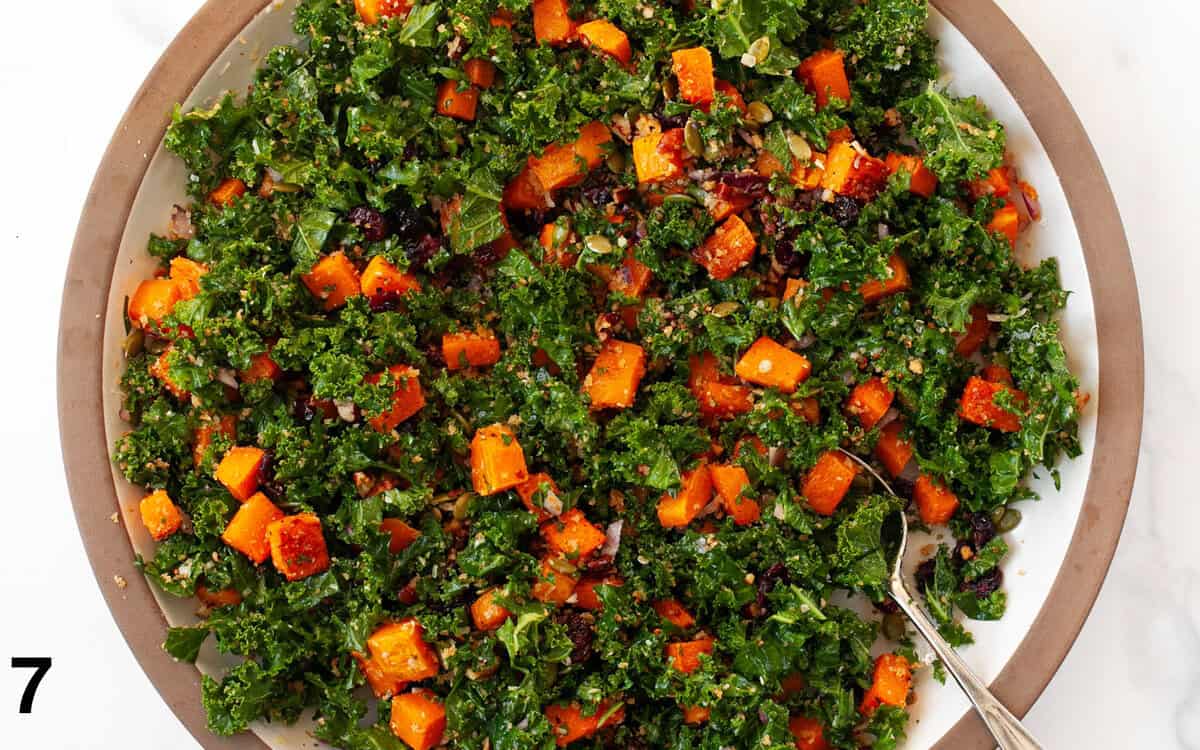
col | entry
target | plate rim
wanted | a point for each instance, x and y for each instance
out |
(989, 30)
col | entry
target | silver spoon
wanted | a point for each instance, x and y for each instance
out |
(1006, 729)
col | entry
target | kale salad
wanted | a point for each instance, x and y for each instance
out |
(493, 390)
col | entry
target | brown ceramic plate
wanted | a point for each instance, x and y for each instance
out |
(134, 188)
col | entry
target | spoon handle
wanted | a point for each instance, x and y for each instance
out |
(1005, 728)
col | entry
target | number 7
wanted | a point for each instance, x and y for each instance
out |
(39, 663)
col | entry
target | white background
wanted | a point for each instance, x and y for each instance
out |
(67, 72)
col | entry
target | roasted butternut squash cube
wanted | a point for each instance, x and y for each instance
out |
(921, 181)
(219, 598)
(262, 367)
(824, 74)
(160, 515)
(400, 650)
(693, 69)
(977, 333)
(557, 579)
(419, 719)
(241, 470)
(694, 715)
(768, 363)
(673, 611)
(978, 405)
(685, 655)
(732, 483)
(497, 461)
(478, 348)
(402, 535)
(809, 733)
(585, 591)
(153, 300)
(935, 502)
(728, 249)
(892, 450)
(160, 368)
(333, 280)
(372, 11)
(869, 401)
(853, 174)
(827, 483)
(480, 72)
(298, 546)
(893, 678)
(487, 613)
(570, 724)
(720, 396)
(658, 157)
(1006, 221)
(536, 492)
(187, 273)
(897, 281)
(247, 530)
(383, 283)
(407, 397)
(612, 383)
(526, 192)
(603, 35)
(455, 102)
(552, 23)
(566, 164)
(227, 192)
(572, 535)
(695, 490)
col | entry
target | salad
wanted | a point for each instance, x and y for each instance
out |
(493, 388)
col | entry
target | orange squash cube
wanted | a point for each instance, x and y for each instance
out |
(695, 490)
(892, 450)
(402, 535)
(497, 461)
(920, 180)
(152, 301)
(658, 156)
(480, 72)
(241, 470)
(630, 278)
(585, 591)
(613, 380)
(695, 714)
(853, 174)
(537, 489)
(869, 401)
(407, 397)
(457, 103)
(809, 733)
(935, 502)
(186, 273)
(897, 281)
(400, 650)
(419, 719)
(572, 535)
(225, 425)
(570, 724)
(247, 530)
(826, 484)
(978, 331)
(719, 396)
(1006, 221)
(220, 598)
(728, 249)
(333, 280)
(556, 581)
(732, 94)
(160, 368)
(382, 282)
(893, 678)
(526, 192)
(566, 164)
(824, 75)
(731, 482)
(298, 546)
(227, 192)
(160, 515)
(685, 655)
(693, 69)
(978, 405)
(770, 364)
(604, 36)
(371, 11)
(478, 348)
(262, 367)
(552, 23)
(382, 684)
(487, 613)
(673, 611)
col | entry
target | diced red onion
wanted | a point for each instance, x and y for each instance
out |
(612, 539)
(227, 376)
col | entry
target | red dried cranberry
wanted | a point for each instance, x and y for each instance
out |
(423, 251)
(984, 584)
(579, 631)
(982, 529)
(406, 223)
(370, 222)
(845, 211)
(742, 184)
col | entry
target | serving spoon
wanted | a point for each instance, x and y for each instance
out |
(1006, 729)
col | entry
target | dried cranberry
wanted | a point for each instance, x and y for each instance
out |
(902, 487)
(385, 300)
(370, 222)
(924, 574)
(579, 631)
(767, 581)
(743, 184)
(303, 409)
(486, 255)
(598, 195)
(785, 252)
(406, 222)
(983, 530)
(600, 564)
(845, 211)
(672, 121)
(984, 584)
(424, 250)
(887, 606)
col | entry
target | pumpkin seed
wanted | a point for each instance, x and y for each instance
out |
(893, 626)
(799, 148)
(669, 88)
(759, 113)
(680, 198)
(615, 162)
(724, 309)
(759, 49)
(712, 150)
(598, 243)
(1009, 520)
(132, 346)
(692, 138)
(462, 506)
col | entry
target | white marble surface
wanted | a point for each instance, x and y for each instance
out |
(1133, 678)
